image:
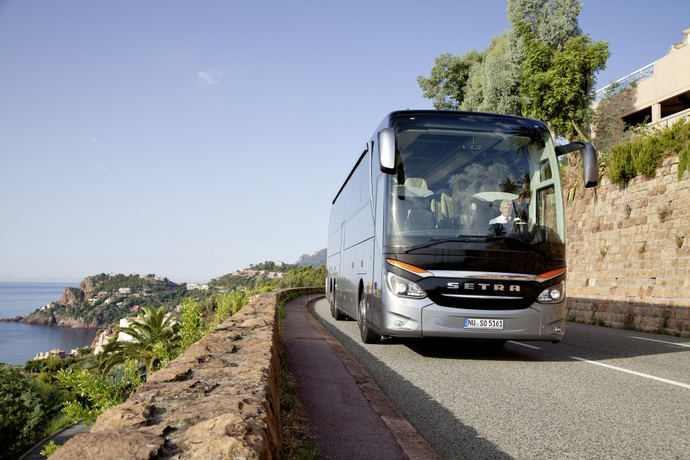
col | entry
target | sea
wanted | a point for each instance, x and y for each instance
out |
(20, 342)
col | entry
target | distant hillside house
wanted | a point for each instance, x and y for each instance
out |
(54, 352)
(194, 286)
(662, 95)
(125, 290)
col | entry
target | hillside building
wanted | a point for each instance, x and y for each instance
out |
(662, 92)
(194, 286)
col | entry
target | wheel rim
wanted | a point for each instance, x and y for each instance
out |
(361, 318)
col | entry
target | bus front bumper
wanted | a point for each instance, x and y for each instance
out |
(422, 318)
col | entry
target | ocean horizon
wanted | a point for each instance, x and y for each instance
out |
(20, 342)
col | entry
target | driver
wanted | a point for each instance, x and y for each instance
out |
(506, 214)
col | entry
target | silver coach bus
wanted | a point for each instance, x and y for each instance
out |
(451, 224)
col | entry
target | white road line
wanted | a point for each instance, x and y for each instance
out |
(640, 374)
(662, 341)
(524, 345)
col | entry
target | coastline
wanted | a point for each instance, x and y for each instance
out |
(26, 330)
(53, 322)
(20, 342)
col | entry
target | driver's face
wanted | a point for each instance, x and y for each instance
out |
(505, 209)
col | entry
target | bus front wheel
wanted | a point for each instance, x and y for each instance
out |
(367, 334)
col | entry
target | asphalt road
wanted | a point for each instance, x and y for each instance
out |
(600, 393)
(61, 437)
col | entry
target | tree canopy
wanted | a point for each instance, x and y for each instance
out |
(448, 80)
(553, 21)
(557, 84)
(543, 67)
(23, 412)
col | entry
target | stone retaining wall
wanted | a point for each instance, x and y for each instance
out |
(629, 253)
(219, 399)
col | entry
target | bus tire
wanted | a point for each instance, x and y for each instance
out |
(366, 333)
(335, 311)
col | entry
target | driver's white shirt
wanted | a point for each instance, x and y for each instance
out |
(500, 220)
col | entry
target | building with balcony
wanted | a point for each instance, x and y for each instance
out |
(662, 89)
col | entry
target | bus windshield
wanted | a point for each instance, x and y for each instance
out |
(473, 176)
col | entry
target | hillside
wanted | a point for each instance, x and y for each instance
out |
(249, 277)
(265, 272)
(102, 299)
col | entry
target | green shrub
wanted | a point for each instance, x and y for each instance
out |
(89, 394)
(620, 165)
(227, 305)
(26, 408)
(643, 154)
(49, 449)
(192, 324)
(646, 156)
(683, 161)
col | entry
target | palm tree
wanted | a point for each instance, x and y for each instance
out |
(151, 328)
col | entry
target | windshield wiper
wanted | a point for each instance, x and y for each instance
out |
(464, 239)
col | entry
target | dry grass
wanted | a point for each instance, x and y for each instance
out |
(571, 177)
(298, 442)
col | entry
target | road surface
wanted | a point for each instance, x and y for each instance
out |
(600, 393)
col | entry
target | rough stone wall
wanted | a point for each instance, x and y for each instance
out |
(219, 399)
(629, 253)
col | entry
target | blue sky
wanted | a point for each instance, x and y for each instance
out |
(190, 139)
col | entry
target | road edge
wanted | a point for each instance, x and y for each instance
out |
(407, 437)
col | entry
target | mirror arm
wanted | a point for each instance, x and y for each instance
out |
(590, 169)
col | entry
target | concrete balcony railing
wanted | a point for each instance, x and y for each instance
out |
(633, 78)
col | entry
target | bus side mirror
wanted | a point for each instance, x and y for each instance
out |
(387, 150)
(590, 168)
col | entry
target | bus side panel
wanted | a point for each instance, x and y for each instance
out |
(357, 256)
(352, 211)
(359, 228)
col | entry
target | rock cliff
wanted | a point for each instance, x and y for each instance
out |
(315, 259)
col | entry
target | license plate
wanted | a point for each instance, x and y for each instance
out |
(479, 323)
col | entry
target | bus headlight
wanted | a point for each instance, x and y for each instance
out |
(552, 294)
(403, 287)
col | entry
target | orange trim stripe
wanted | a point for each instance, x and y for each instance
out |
(552, 273)
(404, 266)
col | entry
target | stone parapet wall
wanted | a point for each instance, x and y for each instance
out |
(629, 253)
(219, 399)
